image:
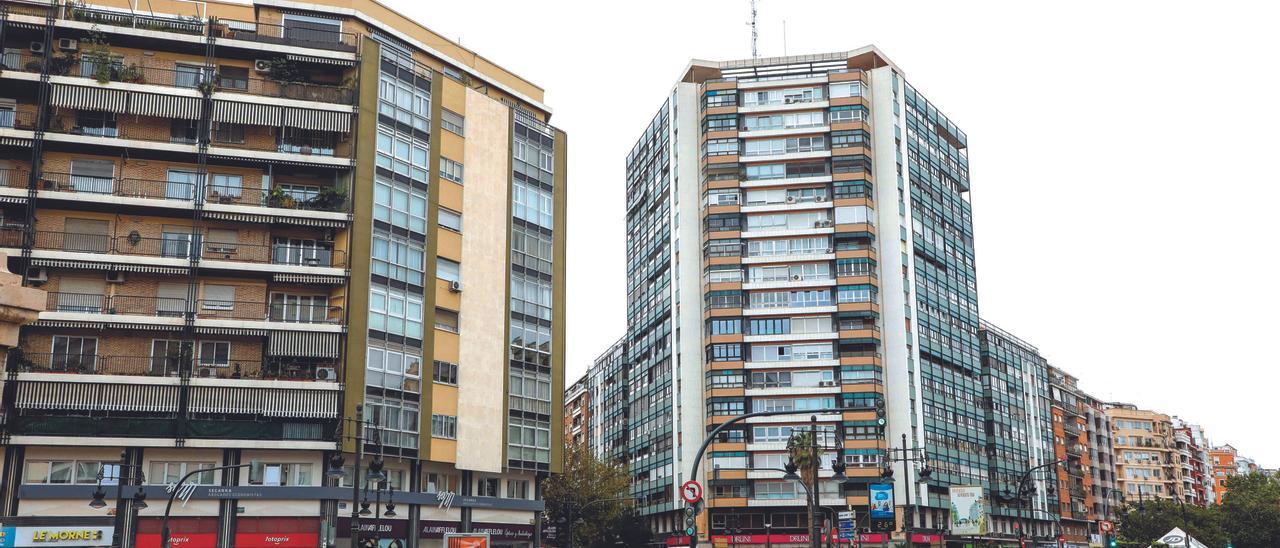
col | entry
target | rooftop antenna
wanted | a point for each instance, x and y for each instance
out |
(784, 37)
(755, 54)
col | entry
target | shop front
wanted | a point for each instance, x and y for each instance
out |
(779, 541)
(184, 532)
(375, 533)
(501, 535)
(56, 536)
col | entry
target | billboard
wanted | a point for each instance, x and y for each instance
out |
(881, 500)
(968, 510)
(466, 540)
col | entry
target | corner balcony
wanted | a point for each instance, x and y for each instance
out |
(173, 255)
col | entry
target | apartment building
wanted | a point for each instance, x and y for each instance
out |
(578, 413)
(1085, 492)
(1146, 463)
(1020, 427)
(596, 406)
(250, 222)
(799, 238)
(1193, 458)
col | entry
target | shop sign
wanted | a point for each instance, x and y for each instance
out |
(497, 531)
(277, 540)
(917, 537)
(466, 540)
(55, 536)
(178, 540)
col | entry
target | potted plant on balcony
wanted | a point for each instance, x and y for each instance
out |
(328, 199)
(132, 74)
(18, 360)
(279, 198)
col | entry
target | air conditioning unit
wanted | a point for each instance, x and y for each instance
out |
(820, 199)
(207, 372)
(795, 277)
(262, 65)
(115, 277)
(827, 223)
(455, 286)
(831, 250)
(37, 275)
(68, 44)
(791, 199)
(326, 374)
(36, 47)
(826, 383)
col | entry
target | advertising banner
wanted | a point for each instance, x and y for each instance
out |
(89, 535)
(466, 540)
(968, 510)
(881, 500)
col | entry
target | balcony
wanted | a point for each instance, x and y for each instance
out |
(266, 33)
(178, 248)
(264, 143)
(204, 309)
(327, 199)
(135, 20)
(142, 71)
(162, 366)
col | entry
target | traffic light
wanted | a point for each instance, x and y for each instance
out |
(880, 412)
(1113, 543)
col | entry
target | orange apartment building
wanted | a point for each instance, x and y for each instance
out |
(249, 219)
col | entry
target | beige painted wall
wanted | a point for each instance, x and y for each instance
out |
(482, 352)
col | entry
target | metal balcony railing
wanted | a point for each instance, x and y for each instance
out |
(177, 246)
(284, 34)
(174, 307)
(328, 199)
(293, 141)
(161, 366)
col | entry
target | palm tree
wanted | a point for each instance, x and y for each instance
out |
(800, 450)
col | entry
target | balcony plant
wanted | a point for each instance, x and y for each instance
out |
(328, 199)
(279, 198)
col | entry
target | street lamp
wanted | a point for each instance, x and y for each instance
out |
(139, 498)
(907, 456)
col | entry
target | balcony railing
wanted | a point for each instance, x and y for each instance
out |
(286, 35)
(327, 199)
(184, 25)
(307, 143)
(177, 247)
(160, 366)
(173, 307)
(17, 119)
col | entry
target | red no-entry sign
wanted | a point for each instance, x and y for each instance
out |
(691, 492)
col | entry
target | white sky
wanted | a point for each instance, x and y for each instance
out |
(1124, 220)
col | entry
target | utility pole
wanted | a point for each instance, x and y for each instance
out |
(815, 540)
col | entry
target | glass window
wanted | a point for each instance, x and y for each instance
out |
(444, 426)
(448, 270)
(447, 320)
(451, 170)
(450, 219)
(452, 121)
(397, 259)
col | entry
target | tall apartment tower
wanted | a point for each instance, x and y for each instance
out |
(253, 227)
(1099, 477)
(1020, 427)
(799, 237)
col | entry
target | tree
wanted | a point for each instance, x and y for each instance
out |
(579, 500)
(1140, 524)
(628, 530)
(800, 449)
(1251, 511)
